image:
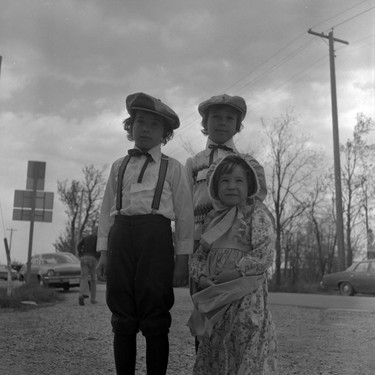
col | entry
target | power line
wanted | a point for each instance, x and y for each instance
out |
(356, 43)
(338, 14)
(278, 64)
(263, 74)
(296, 77)
(266, 61)
(355, 16)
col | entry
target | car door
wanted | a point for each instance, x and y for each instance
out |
(370, 282)
(359, 277)
(35, 265)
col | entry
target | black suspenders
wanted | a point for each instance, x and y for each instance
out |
(159, 185)
(120, 176)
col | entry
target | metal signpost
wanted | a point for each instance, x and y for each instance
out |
(33, 204)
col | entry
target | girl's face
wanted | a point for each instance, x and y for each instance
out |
(233, 187)
(221, 123)
(148, 130)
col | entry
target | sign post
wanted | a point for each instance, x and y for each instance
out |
(9, 278)
(33, 204)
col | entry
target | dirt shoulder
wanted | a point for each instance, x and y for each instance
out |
(70, 339)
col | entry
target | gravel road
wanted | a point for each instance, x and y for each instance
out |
(66, 338)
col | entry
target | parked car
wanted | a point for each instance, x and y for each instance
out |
(358, 278)
(59, 270)
(4, 273)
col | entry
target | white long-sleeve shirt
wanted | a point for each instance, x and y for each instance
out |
(175, 204)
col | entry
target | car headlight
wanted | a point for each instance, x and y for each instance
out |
(50, 273)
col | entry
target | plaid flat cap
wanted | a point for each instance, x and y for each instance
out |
(236, 102)
(148, 103)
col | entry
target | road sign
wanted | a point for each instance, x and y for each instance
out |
(24, 198)
(36, 172)
(33, 204)
(24, 214)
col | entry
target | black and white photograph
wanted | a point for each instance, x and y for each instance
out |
(187, 187)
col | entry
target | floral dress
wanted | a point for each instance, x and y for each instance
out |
(244, 340)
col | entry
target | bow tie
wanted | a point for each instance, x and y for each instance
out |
(134, 153)
(221, 147)
(216, 147)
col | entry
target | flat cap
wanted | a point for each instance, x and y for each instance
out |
(236, 102)
(144, 102)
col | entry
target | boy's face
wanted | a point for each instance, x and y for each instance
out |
(233, 187)
(148, 130)
(221, 123)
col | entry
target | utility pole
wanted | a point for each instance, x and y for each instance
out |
(11, 230)
(336, 147)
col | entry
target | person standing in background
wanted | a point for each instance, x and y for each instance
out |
(88, 256)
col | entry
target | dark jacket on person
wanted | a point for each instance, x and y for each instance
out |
(87, 246)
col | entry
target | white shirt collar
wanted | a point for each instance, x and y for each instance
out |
(229, 143)
(155, 152)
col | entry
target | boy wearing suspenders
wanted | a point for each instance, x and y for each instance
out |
(144, 192)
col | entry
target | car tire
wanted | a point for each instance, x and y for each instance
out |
(346, 289)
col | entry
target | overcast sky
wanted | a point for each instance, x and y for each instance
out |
(68, 66)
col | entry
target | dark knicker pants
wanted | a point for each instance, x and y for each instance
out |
(140, 274)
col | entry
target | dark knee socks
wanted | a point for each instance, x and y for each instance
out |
(157, 353)
(196, 345)
(125, 351)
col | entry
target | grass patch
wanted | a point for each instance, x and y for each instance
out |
(28, 292)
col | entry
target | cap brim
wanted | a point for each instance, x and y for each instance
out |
(170, 121)
(204, 108)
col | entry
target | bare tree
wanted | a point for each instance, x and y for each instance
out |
(69, 196)
(321, 222)
(91, 196)
(292, 165)
(82, 204)
(365, 126)
(356, 172)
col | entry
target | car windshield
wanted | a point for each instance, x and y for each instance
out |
(351, 267)
(59, 258)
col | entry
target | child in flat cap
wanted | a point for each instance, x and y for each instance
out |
(145, 191)
(222, 117)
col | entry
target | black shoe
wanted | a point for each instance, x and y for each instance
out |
(81, 300)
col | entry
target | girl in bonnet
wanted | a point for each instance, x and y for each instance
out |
(231, 316)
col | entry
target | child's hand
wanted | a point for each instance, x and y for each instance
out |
(181, 270)
(226, 275)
